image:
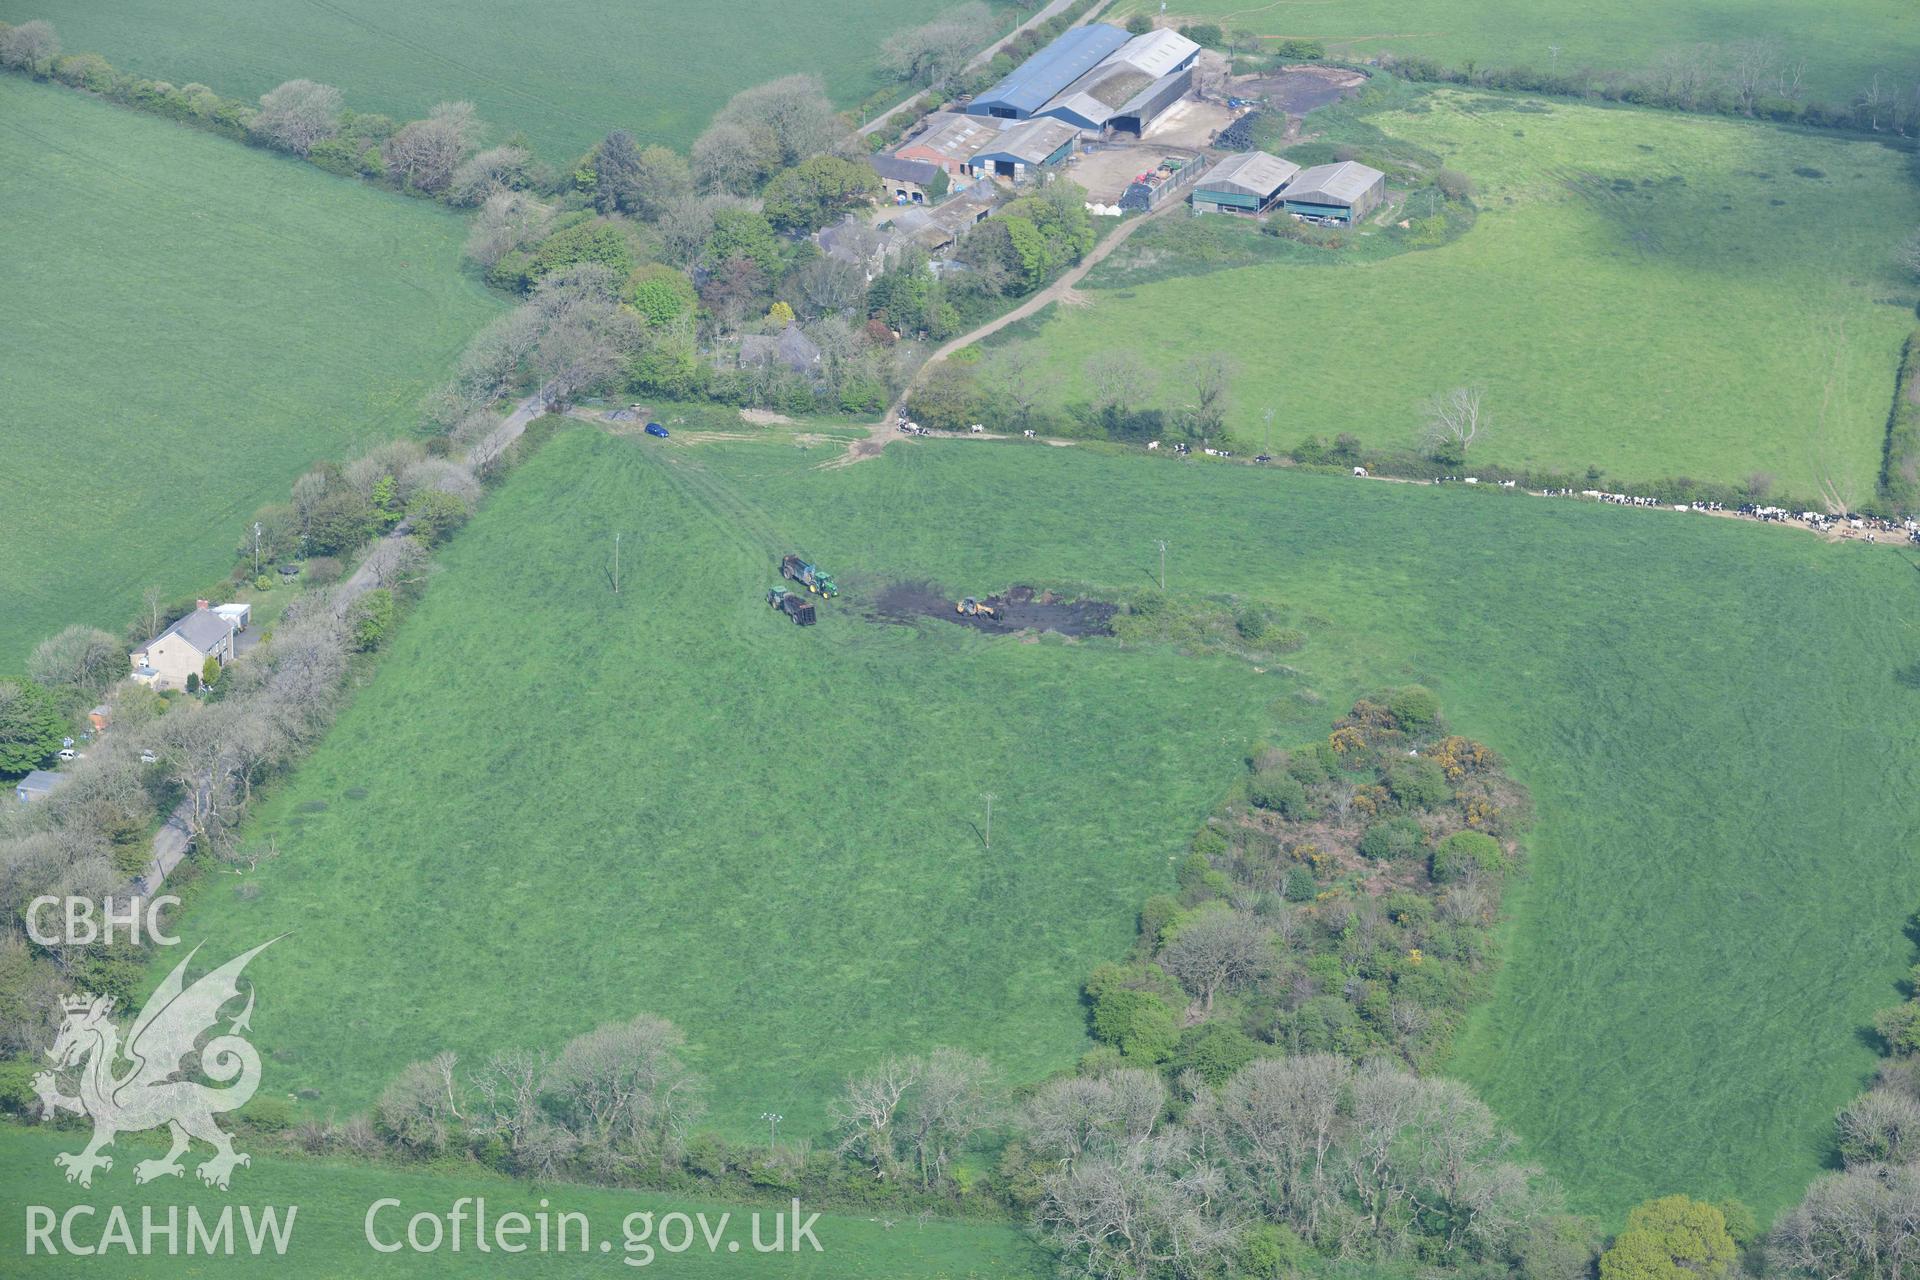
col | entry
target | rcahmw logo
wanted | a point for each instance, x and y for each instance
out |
(149, 1089)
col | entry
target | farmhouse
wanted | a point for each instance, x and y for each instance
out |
(1038, 80)
(1250, 182)
(37, 785)
(1131, 87)
(166, 661)
(910, 181)
(1344, 192)
(950, 140)
(1026, 148)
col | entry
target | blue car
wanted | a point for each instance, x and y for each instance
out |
(655, 429)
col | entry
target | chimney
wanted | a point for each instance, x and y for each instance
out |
(200, 604)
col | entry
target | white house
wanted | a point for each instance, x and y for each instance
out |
(166, 661)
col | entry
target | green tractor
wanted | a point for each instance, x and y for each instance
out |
(810, 576)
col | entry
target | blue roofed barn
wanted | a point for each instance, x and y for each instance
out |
(1032, 84)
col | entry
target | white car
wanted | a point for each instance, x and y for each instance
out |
(68, 753)
(147, 757)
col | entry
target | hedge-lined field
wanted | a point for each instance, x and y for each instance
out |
(190, 325)
(1626, 273)
(674, 801)
(564, 74)
(1842, 42)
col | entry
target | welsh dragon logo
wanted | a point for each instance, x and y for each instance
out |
(150, 1091)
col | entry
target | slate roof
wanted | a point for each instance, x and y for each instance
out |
(203, 629)
(921, 172)
(40, 782)
(790, 347)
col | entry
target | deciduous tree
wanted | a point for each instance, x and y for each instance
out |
(298, 114)
(81, 659)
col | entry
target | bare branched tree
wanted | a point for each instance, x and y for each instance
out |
(1215, 951)
(31, 46)
(425, 153)
(1210, 377)
(933, 54)
(866, 1110)
(297, 115)
(1454, 419)
(508, 220)
(628, 1095)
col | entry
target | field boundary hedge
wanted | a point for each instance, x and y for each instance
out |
(1900, 460)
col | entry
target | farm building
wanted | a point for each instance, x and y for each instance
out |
(1250, 182)
(182, 649)
(37, 785)
(1344, 192)
(910, 181)
(937, 230)
(1038, 80)
(790, 347)
(1129, 88)
(950, 140)
(1026, 147)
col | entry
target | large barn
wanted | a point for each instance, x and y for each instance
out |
(1250, 182)
(1344, 192)
(1131, 87)
(1038, 80)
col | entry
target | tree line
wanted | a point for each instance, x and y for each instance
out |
(203, 752)
(705, 250)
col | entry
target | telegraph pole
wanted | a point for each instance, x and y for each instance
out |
(616, 564)
(989, 836)
(1162, 543)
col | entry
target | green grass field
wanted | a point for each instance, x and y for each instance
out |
(555, 807)
(332, 1200)
(551, 808)
(1615, 296)
(563, 76)
(190, 325)
(1843, 41)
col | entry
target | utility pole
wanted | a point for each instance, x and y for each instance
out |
(773, 1120)
(616, 564)
(989, 799)
(1553, 52)
(256, 548)
(1268, 415)
(1162, 543)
